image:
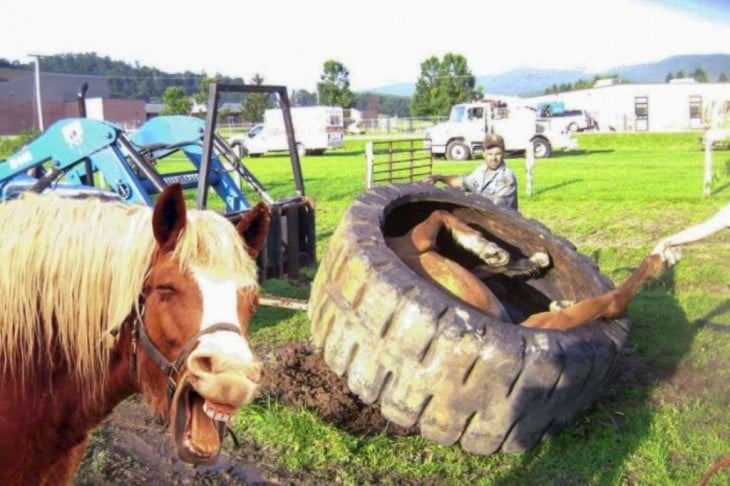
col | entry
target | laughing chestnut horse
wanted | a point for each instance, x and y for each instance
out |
(104, 300)
(418, 250)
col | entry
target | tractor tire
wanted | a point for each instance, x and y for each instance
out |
(433, 361)
(458, 151)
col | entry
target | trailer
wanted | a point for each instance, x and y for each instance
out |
(316, 129)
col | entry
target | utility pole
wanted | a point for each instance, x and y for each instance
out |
(36, 58)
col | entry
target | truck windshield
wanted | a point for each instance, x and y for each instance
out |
(458, 113)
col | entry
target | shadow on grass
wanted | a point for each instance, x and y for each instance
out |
(339, 153)
(595, 445)
(706, 320)
(556, 186)
(722, 188)
(558, 154)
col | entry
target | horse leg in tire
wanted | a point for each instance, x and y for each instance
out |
(417, 249)
(606, 306)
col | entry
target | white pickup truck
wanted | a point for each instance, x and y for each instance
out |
(568, 121)
(462, 135)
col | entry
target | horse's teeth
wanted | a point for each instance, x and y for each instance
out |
(220, 417)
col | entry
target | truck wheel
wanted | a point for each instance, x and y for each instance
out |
(542, 148)
(429, 359)
(458, 151)
(573, 127)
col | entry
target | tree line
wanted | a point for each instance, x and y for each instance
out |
(442, 83)
(178, 91)
(698, 75)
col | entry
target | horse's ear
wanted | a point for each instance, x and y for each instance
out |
(169, 216)
(254, 227)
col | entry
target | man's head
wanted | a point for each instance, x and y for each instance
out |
(493, 150)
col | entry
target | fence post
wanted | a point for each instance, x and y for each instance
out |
(707, 188)
(369, 160)
(529, 166)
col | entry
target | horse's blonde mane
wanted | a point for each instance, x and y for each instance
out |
(72, 270)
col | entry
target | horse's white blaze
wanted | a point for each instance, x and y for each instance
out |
(220, 305)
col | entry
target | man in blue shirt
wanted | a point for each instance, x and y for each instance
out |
(493, 179)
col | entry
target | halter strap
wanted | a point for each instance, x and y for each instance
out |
(170, 368)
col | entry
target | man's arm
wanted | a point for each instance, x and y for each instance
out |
(715, 223)
(451, 181)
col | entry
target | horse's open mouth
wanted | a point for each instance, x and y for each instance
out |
(198, 425)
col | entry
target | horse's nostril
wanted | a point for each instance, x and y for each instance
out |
(203, 364)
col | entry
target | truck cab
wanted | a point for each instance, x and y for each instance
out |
(461, 136)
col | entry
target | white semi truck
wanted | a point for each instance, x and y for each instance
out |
(316, 129)
(462, 135)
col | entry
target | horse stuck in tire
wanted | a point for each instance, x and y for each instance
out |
(460, 371)
(104, 300)
(418, 249)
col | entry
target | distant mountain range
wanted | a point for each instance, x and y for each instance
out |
(533, 82)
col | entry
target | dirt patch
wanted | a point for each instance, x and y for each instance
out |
(299, 377)
(130, 447)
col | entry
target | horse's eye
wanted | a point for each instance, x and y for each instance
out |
(166, 291)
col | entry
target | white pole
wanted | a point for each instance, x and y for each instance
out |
(529, 166)
(369, 161)
(38, 90)
(707, 187)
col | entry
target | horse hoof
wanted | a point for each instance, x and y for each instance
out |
(558, 305)
(495, 259)
(541, 259)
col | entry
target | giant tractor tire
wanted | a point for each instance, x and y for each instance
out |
(433, 361)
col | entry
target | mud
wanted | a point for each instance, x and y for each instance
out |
(131, 448)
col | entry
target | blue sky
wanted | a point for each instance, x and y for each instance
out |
(379, 41)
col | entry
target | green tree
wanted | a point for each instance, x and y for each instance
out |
(373, 104)
(301, 97)
(334, 87)
(722, 78)
(699, 75)
(254, 105)
(423, 103)
(201, 97)
(443, 83)
(680, 74)
(669, 77)
(224, 114)
(175, 102)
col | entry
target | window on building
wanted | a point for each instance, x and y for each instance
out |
(695, 111)
(641, 112)
(695, 107)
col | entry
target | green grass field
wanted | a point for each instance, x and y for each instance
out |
(661, 420)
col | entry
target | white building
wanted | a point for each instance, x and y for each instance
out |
(681, 104)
